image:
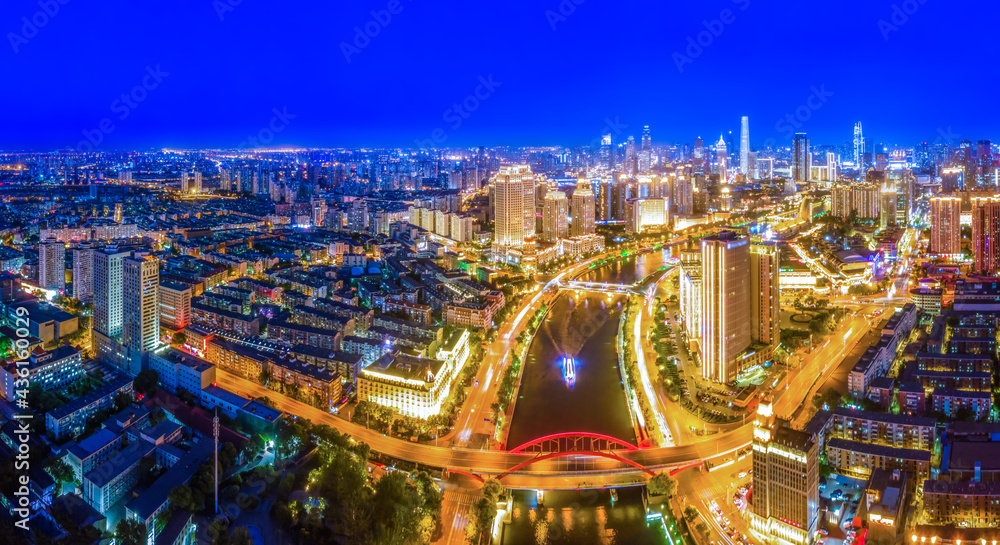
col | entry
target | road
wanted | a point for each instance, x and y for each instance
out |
(489, 462)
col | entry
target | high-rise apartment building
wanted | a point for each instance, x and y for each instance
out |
(862, 200)
(52, 264)
(514, 206)
(986, 237)
(555, 216)
(784, 507)
(946, 230)
(141, 312)
(745, 168)
(725, 304)
(83, 272)
(108, 270)
(582, 208)
(690, 293)
(801, 158)
(765, 302)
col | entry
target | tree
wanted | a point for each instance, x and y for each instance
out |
(662, 485)
(690, 513)
(60, 470)
(263, 377)
(130, 532)
(179, 338)
(146, 381)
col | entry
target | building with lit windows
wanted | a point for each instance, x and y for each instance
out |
(411, 385)
(946, 229)
(514, 207)
(582, 209)
(175, 305)
(765, 307)
(649, 213)
(690, 294)
(555, 216)
(725, 304)
(49, 369)
(784, 507)
(964, 504)
(52, 264)
(986, 237)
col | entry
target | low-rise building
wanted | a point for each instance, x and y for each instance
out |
(181, 370)
(967, 504)
(858, 459)
(950, 402)
(71, 418)
(49, 369)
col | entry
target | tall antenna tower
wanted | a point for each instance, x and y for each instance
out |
(859, 145)
(215, 432)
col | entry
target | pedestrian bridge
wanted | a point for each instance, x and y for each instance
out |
(601, 287)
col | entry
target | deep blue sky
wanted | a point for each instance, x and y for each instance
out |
(606, 60)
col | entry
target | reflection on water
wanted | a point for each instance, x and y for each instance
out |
(579, 517)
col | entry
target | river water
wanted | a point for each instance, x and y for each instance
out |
(583, 327)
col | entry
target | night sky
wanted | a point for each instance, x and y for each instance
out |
(547, 72)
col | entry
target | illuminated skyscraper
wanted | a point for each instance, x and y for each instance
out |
(986, 237)
(141, 310)
(946, 231)
(631, 158)
(801, 158)
(52, 264)
(607, 154)
(514, 205)
(725, 306)
(646, 154)
(745, 168)
(765, 307)
(722, 159)
(582, 210)
(555, 216)
(859, 146)
(83, 272)
(784, 506)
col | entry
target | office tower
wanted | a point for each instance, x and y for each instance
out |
(631, 158)
(722, 159)
(52, 264)
(765, 168)
(646, 154)
(765, 301)
(513, 196)
(141, 309)
(607, 155)
(801, 158)
(725, 306)
(83, 272)
(690, 293)
(784, 507)
(107, 274)
(603, 206)
(859, 146)
(698, 155)
(887, 206)
(986, 237)
(651, 212)
(555, 216)
(175, 305)
(582, 210)
(946, 234)
(745, 148)
(684, 196)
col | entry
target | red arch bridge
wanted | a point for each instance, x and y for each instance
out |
(569, 445)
